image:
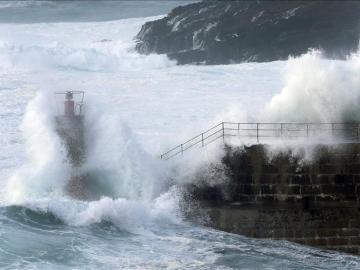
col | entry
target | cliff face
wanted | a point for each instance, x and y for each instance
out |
(222, 32)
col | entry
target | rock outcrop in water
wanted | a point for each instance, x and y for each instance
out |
(222, 32)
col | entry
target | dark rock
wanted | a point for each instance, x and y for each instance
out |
(222, 32)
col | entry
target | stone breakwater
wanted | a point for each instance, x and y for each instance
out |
(283, 195)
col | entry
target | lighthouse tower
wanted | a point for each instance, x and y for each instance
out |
(70, 128)
(69, 104)
(83, 184)
(70, 125)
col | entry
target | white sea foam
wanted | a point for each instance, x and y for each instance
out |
(318, 90)
(44, 172)
(141, 196)
(139, 106)
(27, 3)
(114, 150)
(132, 215)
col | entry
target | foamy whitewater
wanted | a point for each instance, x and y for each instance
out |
(136, 107)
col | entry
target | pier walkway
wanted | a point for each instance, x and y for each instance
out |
(265, 132)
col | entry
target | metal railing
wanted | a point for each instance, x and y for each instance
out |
(79, 108)
(342, 132)
(76, 96)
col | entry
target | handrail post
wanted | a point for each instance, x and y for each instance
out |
(238, 129)
(182, 150)
(332, 130)
(257, 132)
(281, 130)
(223, 131)
(202, 139)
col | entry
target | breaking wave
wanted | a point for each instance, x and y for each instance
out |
(318, 90)
(27, 3)
(98, 57)
(128, 215)
(141, 196)
(109, 48)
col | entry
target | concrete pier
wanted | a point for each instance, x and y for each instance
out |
(284, 196)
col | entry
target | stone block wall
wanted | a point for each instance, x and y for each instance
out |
(282, 195)
(326, 226)
(333, 174)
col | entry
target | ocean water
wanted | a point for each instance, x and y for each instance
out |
(136, 107)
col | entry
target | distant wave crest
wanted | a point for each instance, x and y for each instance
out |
(22, 4)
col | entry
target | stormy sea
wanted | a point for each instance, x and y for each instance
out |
(137, 107)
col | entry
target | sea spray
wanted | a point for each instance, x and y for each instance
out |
(44, 172)
(159, 104)
(140, 194)
(113, 149)
(108, 49)
(318, 90)
(314, 90)
(134, 216)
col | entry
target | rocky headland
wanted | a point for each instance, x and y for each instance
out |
(223, 31)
